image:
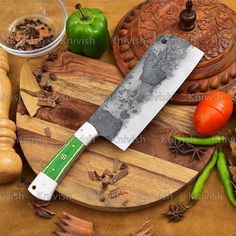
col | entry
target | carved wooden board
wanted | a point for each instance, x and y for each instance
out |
(154, 172)
(214, 34)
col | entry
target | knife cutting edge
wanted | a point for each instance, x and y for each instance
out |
(128, 110)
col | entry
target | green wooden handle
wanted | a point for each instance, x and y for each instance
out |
(64, 159)
(47, 180)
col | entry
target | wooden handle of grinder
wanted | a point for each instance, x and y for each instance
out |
(10, 162)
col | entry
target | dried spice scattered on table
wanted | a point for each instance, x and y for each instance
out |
(105, 182)
(30, 34)
(47, 132)
(38, 75)
(116, 193)
(107, 173)
(45, 81)
(71, 225)
(121, 174)
(47, 94)
(93, 175)
(52, 77)
(46, 99)
(123, 166)
(52, 56)
(44, 69)
(144, 230)
(44, 213)
(33, 94)
(181, 148)
(176, 212)
(46, 103)
(102, 197)
(56, 97)
(196, 152)
(125, 203)
(177, 147)
(120, 170)
(30, 205)
(116, 165)
(40, 203)
(40, 210)
(47, 88)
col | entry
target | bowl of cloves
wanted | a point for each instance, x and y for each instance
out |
(32, 28)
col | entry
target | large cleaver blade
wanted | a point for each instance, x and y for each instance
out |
(129, 109)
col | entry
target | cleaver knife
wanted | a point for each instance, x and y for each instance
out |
(128, 110)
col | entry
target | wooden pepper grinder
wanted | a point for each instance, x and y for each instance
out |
(10, 162)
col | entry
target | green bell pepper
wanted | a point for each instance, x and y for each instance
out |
(87, 32)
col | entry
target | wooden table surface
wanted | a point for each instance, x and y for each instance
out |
(211, 216)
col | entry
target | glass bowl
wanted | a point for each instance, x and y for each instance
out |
(51, 12)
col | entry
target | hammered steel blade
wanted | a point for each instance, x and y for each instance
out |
(129, 109)
(145, 90)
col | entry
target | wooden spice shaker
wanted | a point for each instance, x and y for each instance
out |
(10, 162)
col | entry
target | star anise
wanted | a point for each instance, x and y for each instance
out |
(177, 147)
(176, 212)
(196, 152)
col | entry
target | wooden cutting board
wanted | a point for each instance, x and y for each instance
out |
(154, 172)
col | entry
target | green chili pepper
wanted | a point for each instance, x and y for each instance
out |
(201, 141)
(199, 185)
(226, 177)
(87, 32)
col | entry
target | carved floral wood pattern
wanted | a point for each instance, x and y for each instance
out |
(214, 34)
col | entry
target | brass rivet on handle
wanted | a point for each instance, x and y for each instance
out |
(63, 156)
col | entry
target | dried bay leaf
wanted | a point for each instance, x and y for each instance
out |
(28, 82)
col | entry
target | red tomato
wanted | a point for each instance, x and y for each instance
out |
(212, 113)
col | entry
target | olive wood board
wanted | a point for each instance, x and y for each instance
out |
(155, 173)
